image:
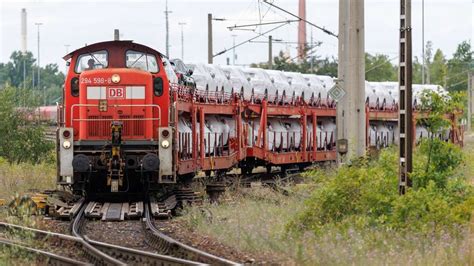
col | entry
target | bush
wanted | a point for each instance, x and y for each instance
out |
(21, 140)
(366, 195)
(436, 161)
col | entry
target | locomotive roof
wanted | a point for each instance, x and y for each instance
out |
(104, 45)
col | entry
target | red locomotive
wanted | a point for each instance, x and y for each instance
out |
(124, 129)
(115, 133)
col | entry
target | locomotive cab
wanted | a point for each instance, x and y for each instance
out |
(114, 133)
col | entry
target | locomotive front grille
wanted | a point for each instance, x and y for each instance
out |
(99, 126)
(138, 125)
(133, 126)
(126, 129)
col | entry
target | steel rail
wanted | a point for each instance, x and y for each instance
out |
(134, 256)
(49, 256)
(118, 255)
(101, 257)
(61, 238)
(172, 247)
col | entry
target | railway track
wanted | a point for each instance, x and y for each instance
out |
(42, 256)
(40, 238)
(108, 254)
(167, 245)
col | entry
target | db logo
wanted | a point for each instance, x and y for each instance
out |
(116, 93)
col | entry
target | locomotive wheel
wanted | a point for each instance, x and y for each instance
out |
(186, 178)
(246, 170)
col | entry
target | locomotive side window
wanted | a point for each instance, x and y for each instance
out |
(94, 60)
(75, 86)
(158, 86)
(143, 61)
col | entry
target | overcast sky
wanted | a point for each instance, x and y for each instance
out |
(447, 23)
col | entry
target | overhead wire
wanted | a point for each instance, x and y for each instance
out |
(246, 41)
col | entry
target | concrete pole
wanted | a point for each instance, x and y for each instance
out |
(470, 87)
(209, 39)
(423, 41)
(270, 52)
(350, 117)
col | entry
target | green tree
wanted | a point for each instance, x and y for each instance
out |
(19, 63)
(428, 54)
(21, 71)
(458, 67)
(327, 66)
(379, 68)
(439, 156)
(416, 70)
(438, 69)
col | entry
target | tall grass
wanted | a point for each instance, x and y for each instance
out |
(20, 178)
(255, 222)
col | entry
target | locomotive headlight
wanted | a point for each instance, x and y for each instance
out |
(66, 144)
(165, 144)
(115, 78)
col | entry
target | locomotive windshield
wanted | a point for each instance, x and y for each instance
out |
(143, 61)
(94, 60)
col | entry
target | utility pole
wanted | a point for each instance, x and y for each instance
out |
(182, 39)
(67, 48)
(405, 117)
(167, 29)
(39, 67)
(270, 52)
(350, 111)
(470, 87)
(423, 40)
(209, 39)
(24, 28)
(67, 52)
(233, 50)
(311, 59)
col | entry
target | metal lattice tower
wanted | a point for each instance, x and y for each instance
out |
(405, 116)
